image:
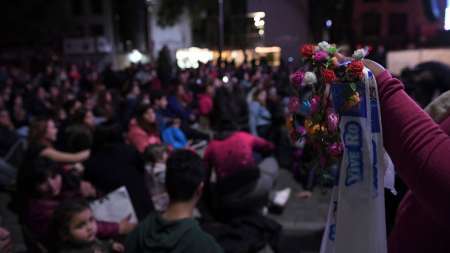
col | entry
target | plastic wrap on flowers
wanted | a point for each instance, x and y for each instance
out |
(322, 70)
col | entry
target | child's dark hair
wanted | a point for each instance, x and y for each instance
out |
(33, 173)
(185, 172)
(38, 129)
(153, 153)
(78, 116)
(59, 225)
(157, 95)
(140, 112)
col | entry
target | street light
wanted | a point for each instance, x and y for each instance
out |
(135, 56)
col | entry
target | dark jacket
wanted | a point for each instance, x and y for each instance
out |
(7, 140)
(157, 235)
(96, 246)
(117, 165)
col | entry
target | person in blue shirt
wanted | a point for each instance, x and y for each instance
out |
(260, 119)
(174, 136)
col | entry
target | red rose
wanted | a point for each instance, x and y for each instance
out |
(355, 68)
(308, 50)
(329, 75)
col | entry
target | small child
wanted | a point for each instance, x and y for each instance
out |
(155, 157)
(174, 136)
(74, 228)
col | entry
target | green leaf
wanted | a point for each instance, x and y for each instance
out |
(332, 50)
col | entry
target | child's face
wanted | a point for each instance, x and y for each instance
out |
(165, 156)
(83, 227)
(51, 187)
(162, 102)
(177, 122)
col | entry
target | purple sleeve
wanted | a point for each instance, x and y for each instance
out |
(418, 147)
(445, 125)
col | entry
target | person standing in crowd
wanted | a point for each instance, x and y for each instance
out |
(260, 117)
(229, 103)
(418, 148)
(205, 105)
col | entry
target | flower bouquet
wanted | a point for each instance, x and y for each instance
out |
(320, 128)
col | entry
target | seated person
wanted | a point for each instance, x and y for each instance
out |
(73, 229)
(42, 187)
(174, 136)
(42, 136)
(143, 130)
(155, 157)
(175, 230)
(114, 164)
(232, 154)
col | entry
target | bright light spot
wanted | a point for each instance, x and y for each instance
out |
(267, 50)
(135, 56)
(256, 19)
(260, 23)
(190, 57)
(329, 23)
(290, 59)
(261, 32)
(447, 16)
(225, 79)
(259, 14)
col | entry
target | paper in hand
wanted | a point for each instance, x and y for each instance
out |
(114, 207)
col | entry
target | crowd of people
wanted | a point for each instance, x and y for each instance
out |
(209, 140)
(72, 133)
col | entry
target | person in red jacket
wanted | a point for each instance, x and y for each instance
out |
(232, 156)
(205, 105)
(143, 129)
(205, 101)
(419, 149)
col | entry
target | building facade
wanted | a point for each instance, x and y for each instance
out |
(397, 23)
(282, 23)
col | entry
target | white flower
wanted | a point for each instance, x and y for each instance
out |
(324, 46)
(310, 78)
(360, 54)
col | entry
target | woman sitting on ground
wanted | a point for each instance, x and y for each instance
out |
(42, 135)
(143, 129)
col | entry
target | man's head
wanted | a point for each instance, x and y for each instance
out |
(185, 175)
(159, 100)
